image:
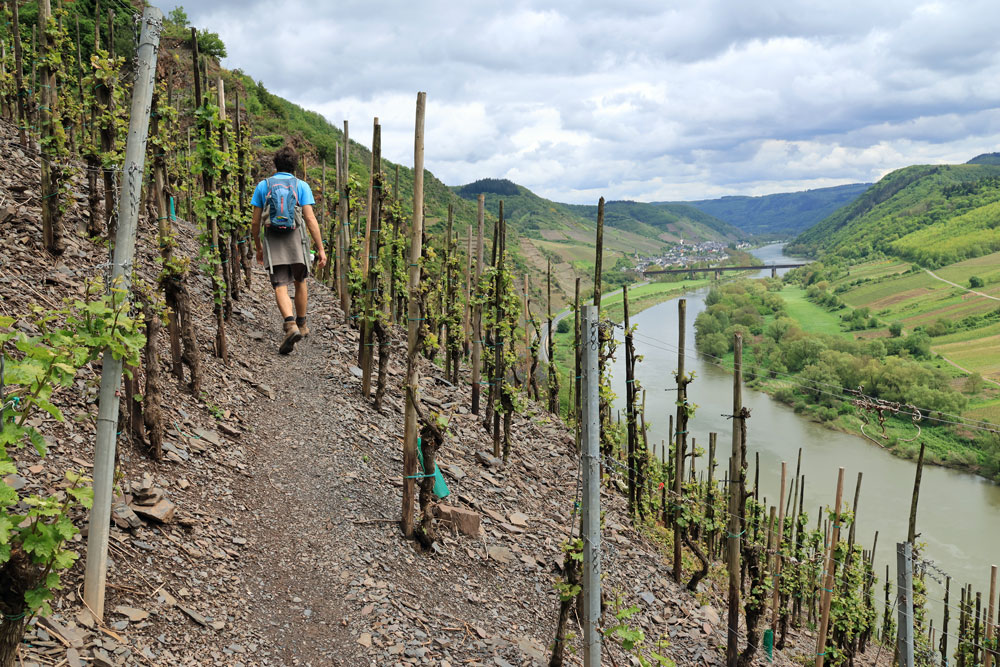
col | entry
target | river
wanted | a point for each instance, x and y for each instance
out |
(957, 510)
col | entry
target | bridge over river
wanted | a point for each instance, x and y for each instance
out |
(717, 270)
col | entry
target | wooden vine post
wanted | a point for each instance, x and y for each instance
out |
(630, 421)
(52, 141)
(226, 246)
(477, 311)
(106, 129)
(158, 140)
(553, 375)
(376, 165)
(599, 255)
(241, 184)
(344, 237)
(828, 580)
(736, 492)
(208, 187)
(777, 550)
(92, 155)
(413, 323)
(499, 372)
(81, 98)
(467, 311)
(448, 296)
(371, 250)
(33, 94)
(680, 436)
(326, 232)
(22, 118)
(911, 532)
(990, 615)
(577, 361)
(527, 339)
(395, 309)
(336, 225)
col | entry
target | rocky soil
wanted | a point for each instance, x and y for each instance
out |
(269, 535)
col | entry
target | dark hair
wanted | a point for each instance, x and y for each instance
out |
(286, 159)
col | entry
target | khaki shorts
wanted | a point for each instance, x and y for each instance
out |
(286, 274)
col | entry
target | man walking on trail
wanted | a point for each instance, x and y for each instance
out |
(285, 205)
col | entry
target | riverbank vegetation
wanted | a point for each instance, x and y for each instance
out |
(813, 363)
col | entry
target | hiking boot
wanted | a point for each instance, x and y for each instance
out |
(292, 336)
(303, 329)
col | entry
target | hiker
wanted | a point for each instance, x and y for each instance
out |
(285, 204)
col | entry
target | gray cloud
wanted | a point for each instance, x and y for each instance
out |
(639, 99)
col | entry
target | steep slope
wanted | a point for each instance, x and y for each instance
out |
(935, 214)
(783, 213)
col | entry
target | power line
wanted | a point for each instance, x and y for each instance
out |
(926, 413)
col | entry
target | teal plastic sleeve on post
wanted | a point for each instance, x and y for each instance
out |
(441, 489)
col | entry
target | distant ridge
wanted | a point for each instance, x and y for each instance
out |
(930, 214)
(985, 158)
(531, 215)
(783, 214)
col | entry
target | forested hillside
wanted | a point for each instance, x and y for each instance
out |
(783, 214)
(531, 214)
(931, 214)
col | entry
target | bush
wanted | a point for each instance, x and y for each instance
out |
(715, 344)
(826, 414)
(975, 282)
(896, 329)
(786, 395)
(210, 44)
(271, 141)
(563, 326)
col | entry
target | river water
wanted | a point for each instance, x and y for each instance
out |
(958, 512)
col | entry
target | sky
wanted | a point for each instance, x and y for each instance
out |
(635, 99)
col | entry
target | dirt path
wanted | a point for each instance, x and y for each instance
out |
(970, 291)
(297, 506)
(961, 287)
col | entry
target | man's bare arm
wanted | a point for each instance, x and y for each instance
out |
(313, 226)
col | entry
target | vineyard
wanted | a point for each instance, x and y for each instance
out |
(174, 492)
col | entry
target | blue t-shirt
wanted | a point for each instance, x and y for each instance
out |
(304, 191)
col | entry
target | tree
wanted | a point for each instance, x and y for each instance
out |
(178, 17)
(896, 329)
(974, 383)
(563, 326)
(975, 282)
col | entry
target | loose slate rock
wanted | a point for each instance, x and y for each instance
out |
(211, 436)
(134, 615)
(466, 521)
(195, 616)
(500, 554)
(162, 511)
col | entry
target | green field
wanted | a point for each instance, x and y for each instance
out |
(964, 331)
(811, 317)
(873, 270)
(893, 293)
(986, 267)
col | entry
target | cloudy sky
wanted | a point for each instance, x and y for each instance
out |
(638, 99)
